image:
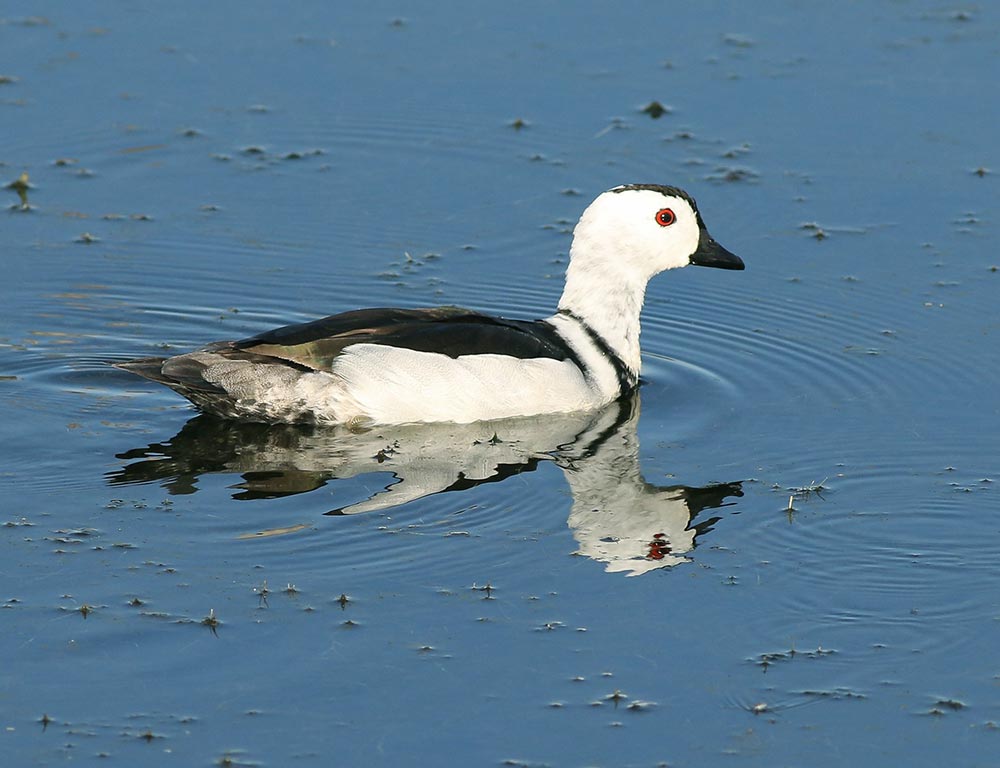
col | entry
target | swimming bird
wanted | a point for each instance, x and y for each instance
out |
(448, 364)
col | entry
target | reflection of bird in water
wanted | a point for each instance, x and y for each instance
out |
(621, 520)
(398, 366)
(617, 517)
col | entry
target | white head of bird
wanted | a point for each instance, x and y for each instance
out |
(625, 237)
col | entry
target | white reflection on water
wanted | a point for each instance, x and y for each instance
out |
(617, 517)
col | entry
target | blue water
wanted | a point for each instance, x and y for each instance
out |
(816, 440)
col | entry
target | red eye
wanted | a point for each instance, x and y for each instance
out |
(665, 217)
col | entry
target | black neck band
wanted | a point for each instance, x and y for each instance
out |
(627, 379)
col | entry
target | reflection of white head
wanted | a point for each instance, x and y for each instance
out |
(620, 519)
(633, 530)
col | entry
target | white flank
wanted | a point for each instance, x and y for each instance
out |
(394, 385)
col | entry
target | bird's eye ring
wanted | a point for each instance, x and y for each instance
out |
(665, 217)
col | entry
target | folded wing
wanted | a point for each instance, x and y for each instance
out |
(450, 331)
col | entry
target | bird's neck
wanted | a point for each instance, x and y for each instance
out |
(609, 305)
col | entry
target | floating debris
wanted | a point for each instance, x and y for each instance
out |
(384, 454)
(733, 175)
(616, 697)
(549, 626)
(141, 148)
(487, 588)
(640, 706)
(813, 489)
(738, 41)
(211, 622)
(737, 151)
(767, 659)
(30, 21)
(262, 593)
(21, 185)
(835, 693)
(656, 110)
(951, 704)
(616, 124)
(236, 758)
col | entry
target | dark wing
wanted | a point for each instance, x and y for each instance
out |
(451, 331)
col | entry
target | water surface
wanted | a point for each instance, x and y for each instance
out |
(793, 554)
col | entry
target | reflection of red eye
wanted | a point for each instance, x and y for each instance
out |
(658, 548)
(665, 217)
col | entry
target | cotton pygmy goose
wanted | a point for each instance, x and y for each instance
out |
(393, 366)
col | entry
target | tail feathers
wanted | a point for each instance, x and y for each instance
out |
(182, 374)
(226, 382)
(147, 367)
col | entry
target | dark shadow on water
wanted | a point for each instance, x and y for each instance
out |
(617, 517)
